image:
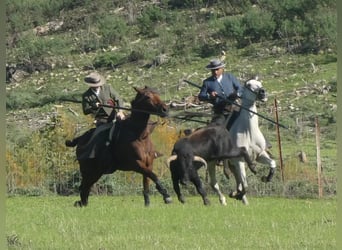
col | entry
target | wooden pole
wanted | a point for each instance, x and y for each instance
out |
(279, 142)
(318, 156)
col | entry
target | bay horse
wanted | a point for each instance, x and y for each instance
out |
(130, 148)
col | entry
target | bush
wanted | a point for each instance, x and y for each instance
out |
(35, 50)
(149, 19)
(112, 29)
(255, 26)
(107, 60)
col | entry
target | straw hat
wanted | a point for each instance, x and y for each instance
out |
(94, 79)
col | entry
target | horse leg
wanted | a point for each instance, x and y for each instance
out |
(88, 179)
(245, 155)
(146, 191)
(82, 139)
(226, 170)
(242, 152)
(264, 158)
(163, 192)
(213, 182)
(238, 169)
(161, 189)
(200, 189)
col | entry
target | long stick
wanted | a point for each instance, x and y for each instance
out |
(279, 142)
(130, 109)
(318, 156)
(266, 118)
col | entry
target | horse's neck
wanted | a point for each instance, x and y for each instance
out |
(249, 118)
(139, 121)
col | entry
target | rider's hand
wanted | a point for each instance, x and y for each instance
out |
(233, 96)
(213, 94)
(95, 105)
(111, 102)
(120, 115)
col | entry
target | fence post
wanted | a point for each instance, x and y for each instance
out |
(318, 156)
(279, 142)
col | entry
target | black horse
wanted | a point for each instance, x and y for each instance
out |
(128, 148)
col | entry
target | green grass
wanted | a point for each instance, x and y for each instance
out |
(122, 222)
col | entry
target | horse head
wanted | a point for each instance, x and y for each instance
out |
(148, 100)
(255, 91)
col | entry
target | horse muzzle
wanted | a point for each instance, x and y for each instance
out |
(262, 95)
(164, 111)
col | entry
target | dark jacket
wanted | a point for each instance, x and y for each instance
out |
(89, 100)
(229, 85)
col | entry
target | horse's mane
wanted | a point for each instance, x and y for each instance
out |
(145, 89)
(254, 77)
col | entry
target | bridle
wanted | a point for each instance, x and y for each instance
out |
(260, 93)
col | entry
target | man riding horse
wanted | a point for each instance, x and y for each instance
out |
(221, 89)
(98, 94)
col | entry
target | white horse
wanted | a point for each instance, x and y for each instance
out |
(245, 132)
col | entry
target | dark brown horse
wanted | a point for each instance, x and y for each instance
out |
(129, 149)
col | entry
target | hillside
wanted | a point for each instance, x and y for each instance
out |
(137, 43)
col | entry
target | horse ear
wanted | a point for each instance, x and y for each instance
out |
(137, 89)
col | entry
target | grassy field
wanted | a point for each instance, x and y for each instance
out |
(122, 222)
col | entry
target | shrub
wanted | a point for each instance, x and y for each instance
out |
(255, 26)
(111, 29)
(34, 50)
(149, 19)
(107, 60)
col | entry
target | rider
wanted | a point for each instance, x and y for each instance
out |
(221, 89)
(97, 94)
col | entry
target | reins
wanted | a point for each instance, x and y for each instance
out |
(130, 109)
(240, 106)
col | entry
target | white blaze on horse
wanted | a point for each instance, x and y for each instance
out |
(245, 132)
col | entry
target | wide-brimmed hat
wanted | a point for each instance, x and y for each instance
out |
(215, 64)
(94, 79)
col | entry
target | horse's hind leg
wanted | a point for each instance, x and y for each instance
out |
(226, 170)
(238, 169)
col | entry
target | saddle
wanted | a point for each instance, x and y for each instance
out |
(96, 140)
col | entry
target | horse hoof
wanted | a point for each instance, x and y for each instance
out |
(78, 204)
(238, 195)
(265, 179)
(223, 202)
(232, 194)
(206, 202)
(168, 200)
(253, 168)
(245, 200)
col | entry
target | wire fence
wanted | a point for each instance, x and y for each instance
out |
(43, 165)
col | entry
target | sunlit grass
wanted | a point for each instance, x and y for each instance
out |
(124, 223)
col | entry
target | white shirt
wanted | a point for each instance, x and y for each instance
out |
(219, 79)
